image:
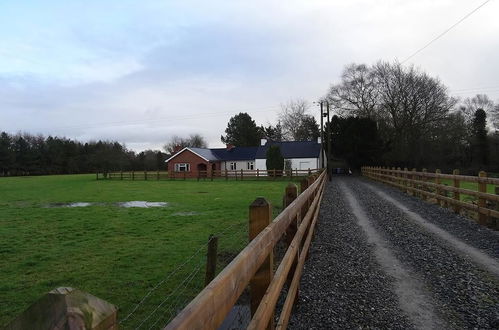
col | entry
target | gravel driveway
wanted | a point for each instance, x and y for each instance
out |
(384, 260)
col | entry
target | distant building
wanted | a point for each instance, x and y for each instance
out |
(301, 155)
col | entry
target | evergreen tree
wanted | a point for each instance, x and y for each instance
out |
(274, 159)
(6, 154)
(242, 131)
(480, 143)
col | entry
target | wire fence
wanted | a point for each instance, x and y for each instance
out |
(177, 288)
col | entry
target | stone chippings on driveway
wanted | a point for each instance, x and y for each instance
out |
(466, 229)
(343, 287)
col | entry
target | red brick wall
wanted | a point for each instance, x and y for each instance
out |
(194, 160)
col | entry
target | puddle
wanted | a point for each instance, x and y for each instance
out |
(141, 204)
(76, 204)
(185, 214)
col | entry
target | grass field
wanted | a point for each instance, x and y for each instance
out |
(118, 254)
(469, 186)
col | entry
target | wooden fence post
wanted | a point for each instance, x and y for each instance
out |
(406, 176)
(457, 195)
(482, 187)
(145, 175)
(495, 222)
(133, 175)
(290, 195)
(211, 259)
(260, 216)
(438, 191)
(303, 185)
(157, 175)
(185, 173)
(121, 175)
(414, 184)
(257, 174)
(423, 187)
(241, 174)
(226, 175)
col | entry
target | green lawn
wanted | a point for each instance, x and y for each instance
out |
(117, 253)
(469, 186)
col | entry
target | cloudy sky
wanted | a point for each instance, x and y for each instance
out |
(141, 71)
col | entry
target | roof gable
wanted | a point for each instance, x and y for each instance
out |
(200, 152)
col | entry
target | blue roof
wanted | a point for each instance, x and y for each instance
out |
(236, 153)
(205, 153)
(292, 149)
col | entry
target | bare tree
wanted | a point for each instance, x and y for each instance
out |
(296, 123)
(495, 118)
(471, 105)
(356, 94)
(408, 105)
(194, 140)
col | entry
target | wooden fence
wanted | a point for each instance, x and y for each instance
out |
(254, 264)
(208, 175)
(425, 184)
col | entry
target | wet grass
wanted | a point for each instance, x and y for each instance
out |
(115, 253)
(469, 186)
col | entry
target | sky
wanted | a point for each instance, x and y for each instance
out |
(139, 72)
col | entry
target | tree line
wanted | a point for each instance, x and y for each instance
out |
(26, 154)
(394, 115)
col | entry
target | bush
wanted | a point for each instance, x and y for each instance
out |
(275, 161)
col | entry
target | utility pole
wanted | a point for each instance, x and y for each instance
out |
(322, 135)
(329, 169)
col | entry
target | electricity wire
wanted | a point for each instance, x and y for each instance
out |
(445, 32)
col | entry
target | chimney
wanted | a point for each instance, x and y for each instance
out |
(177, 149)
(263, 142)
(230, 146)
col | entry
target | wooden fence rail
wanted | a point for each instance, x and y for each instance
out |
(207, 175)
(254, 264)
(425, 184)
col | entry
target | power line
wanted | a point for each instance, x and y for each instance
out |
(145, 121)
(478, 89)
(445, 32)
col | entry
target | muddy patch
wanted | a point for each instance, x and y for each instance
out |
(140, 204)
(185, 214)
(76, 204)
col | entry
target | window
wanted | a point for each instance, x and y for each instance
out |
(182, 167)
(233, 166)
(250, 166)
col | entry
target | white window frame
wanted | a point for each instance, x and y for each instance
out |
(182, 167)
(251, 165)
(233, 166)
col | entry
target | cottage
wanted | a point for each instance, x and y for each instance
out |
(299, 155)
